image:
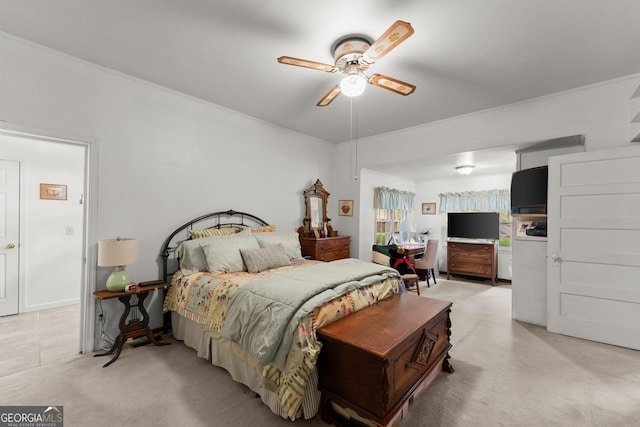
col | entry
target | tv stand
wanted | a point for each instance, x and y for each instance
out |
(477, 259)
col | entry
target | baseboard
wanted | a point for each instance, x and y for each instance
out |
(462, 278)
(55, 304)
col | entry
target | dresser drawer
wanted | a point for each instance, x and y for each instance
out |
(333, 255)
(325, 248)
(476, 256)
(471, 268)
(333, 245)
(470, 248)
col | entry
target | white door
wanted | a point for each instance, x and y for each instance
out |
(9, 214)
(594, 246)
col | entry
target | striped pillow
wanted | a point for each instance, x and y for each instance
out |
(264, 229)
(208, 232)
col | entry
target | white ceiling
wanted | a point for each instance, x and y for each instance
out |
(465, 55)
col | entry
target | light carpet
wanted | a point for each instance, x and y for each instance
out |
(507, 373)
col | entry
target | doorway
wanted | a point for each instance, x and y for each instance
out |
(9, 223)
(55, 274)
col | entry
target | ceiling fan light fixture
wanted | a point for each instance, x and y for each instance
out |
(464, 169)
(353, 85)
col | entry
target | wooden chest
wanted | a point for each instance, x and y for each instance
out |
(326, 248)
(473, 259)
(376, 361)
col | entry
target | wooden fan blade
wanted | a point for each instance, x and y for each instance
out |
(287, 60)
(396, 34)
(394, 85)
(330, 96)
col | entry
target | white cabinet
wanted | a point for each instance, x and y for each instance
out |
(529, 281)
(504, 264)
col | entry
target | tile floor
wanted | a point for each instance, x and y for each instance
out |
(39, 338)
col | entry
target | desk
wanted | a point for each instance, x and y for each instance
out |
(134, 328)
(411, 250)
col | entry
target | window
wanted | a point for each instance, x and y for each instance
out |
(387, 222)
(392, 207)
(505, 228)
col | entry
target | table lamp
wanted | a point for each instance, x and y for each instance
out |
(406, 229)
(118, 253)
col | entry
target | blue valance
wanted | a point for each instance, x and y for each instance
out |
(391, 198)
(484, 201)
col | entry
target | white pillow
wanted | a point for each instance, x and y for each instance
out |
(288, 239)
(223, 254)
(191, 254)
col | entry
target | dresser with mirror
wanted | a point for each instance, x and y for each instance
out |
(318, 239)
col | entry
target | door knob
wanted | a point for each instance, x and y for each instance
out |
(11, 246)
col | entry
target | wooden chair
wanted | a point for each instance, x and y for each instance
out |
(411, 282)
(428, 261)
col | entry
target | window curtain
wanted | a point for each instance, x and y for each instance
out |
(486, 200)
(391, 198)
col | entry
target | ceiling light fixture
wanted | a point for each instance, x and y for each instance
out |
(353, 85)
(464, 169)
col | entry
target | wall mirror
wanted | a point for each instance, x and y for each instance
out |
(315, 198)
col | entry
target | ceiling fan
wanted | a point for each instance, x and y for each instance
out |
(353, 55)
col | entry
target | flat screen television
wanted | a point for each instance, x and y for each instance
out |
(473, 225)
(529, 191)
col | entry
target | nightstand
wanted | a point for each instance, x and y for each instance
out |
(135, 327)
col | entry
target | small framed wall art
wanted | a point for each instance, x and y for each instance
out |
(428, 209)
(345, 207)
(53, 191)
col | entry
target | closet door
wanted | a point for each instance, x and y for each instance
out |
(9, 233)
(593, 272)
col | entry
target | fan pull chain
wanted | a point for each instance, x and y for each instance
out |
(351, 121)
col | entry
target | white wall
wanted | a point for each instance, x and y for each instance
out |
(164, 158)
(50, 259)
(600, 112)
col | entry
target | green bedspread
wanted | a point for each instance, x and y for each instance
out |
(263, 314)
(205, 298)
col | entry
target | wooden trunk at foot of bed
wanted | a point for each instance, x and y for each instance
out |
(377, 361)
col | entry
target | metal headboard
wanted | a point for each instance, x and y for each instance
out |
(219, 219)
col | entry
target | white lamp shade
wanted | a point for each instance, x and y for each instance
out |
(353, 85)
(406, 226)
(406, 229)
(117, 252)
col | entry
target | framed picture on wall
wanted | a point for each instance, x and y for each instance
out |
(428, 209)
(53, 191)
(345, 207)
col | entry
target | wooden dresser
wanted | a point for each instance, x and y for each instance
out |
(473, 259)
(326, 248)
(376, 361)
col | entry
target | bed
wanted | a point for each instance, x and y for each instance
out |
(243, 297)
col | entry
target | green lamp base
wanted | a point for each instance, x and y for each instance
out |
(118, 280)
